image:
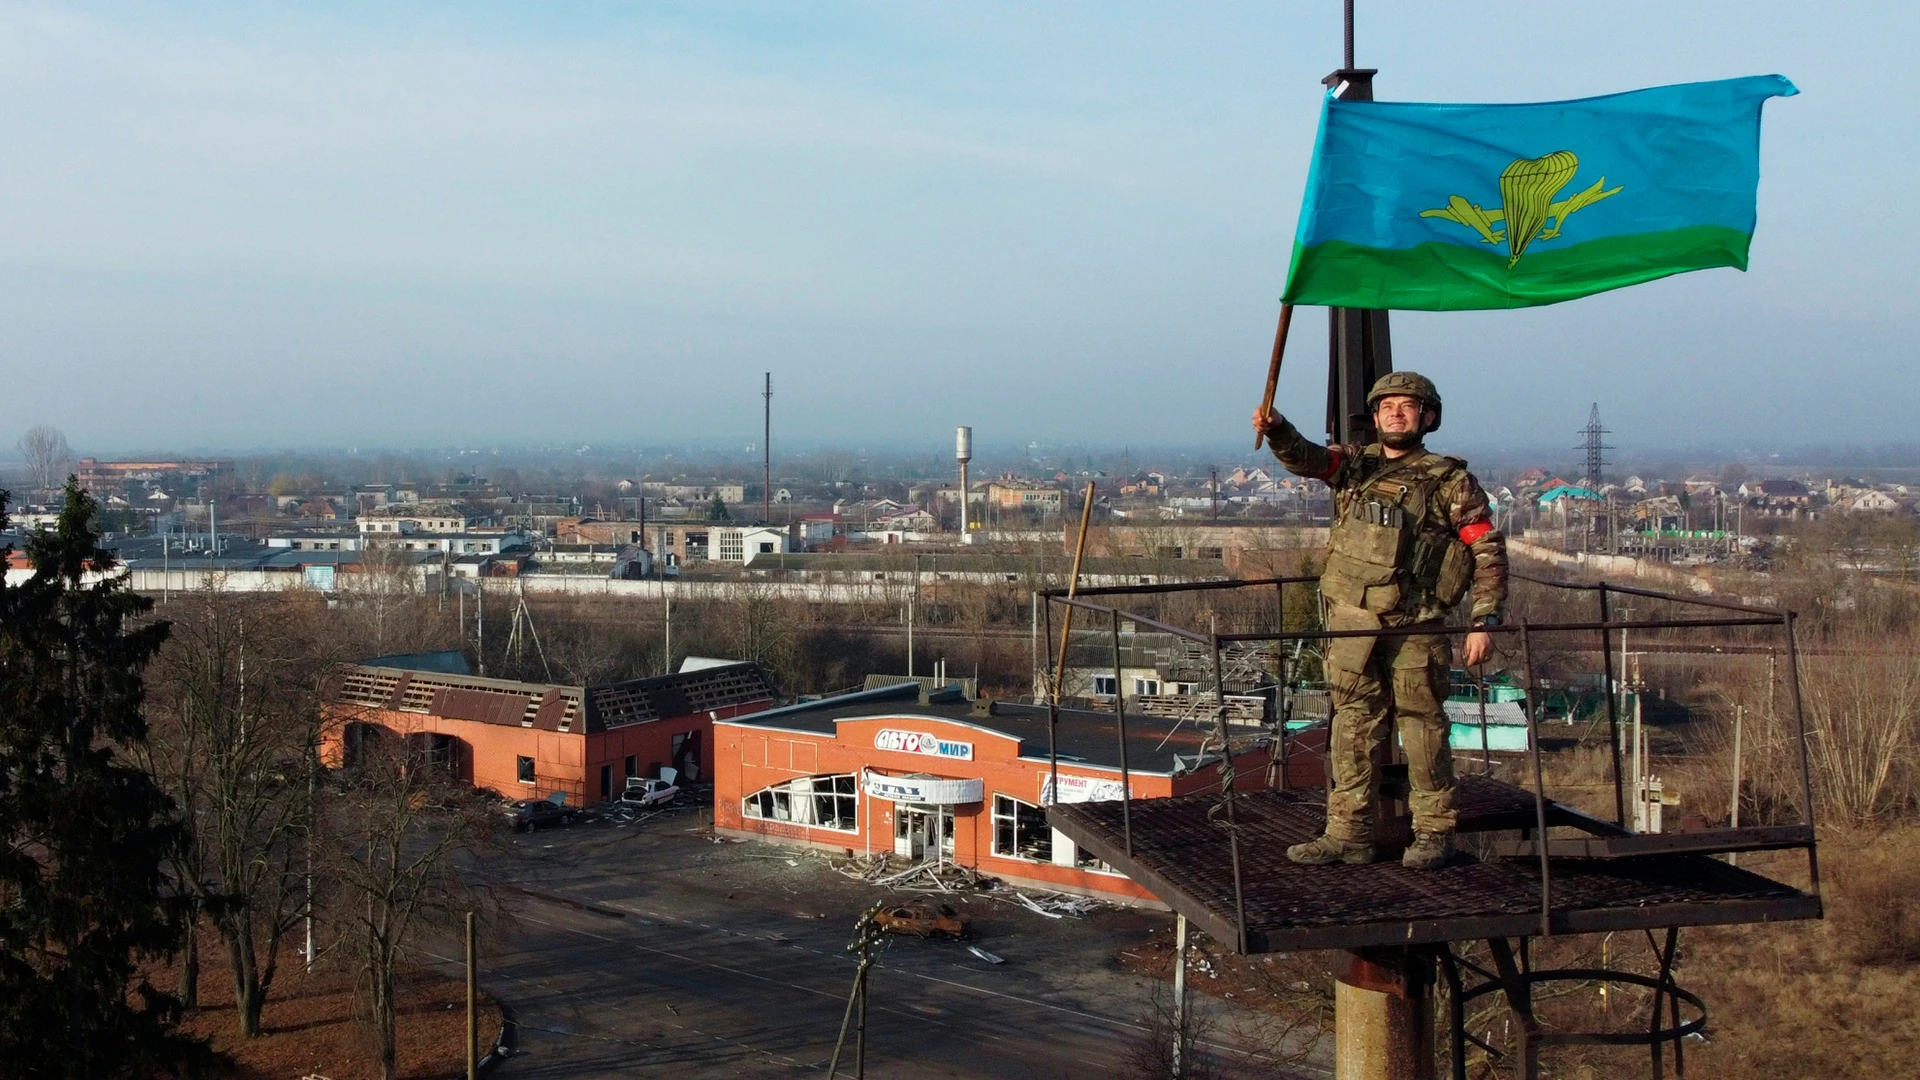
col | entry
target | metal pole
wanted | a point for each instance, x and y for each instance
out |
(1179, 996)
(666, 649)
(1066, 628)
(1348, 25)
(1613, 712)
(766, 453)
(1120, 723)
(1539, 784)
(1053, 719)
(473, 1018)
(1486, 751)
(1226, 788)
(1800, 735)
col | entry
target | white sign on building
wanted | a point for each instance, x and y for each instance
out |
(925, 789)
(1075, 789)
(920, 742)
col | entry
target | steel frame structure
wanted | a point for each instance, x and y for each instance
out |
(1604, 878)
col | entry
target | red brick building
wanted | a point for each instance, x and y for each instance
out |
(934, 776)
(531, 740)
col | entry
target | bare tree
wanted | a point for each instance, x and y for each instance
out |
(47, 455)
(236, 713)
(397, 833)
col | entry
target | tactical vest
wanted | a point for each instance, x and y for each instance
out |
(1392, 549)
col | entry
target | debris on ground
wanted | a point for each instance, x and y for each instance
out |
(985, 955)
(944, 877)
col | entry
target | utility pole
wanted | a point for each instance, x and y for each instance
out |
(766, 452)
(473, 1025)
(1595, 446)
(1213, 485)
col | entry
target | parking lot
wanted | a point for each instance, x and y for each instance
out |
(647, 947)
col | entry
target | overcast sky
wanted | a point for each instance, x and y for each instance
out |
(269, 226)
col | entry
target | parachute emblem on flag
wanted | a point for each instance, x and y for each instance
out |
(1527, 187)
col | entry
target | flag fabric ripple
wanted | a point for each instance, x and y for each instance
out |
(1453, 207)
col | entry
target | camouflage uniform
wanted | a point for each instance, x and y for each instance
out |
(1410, 535)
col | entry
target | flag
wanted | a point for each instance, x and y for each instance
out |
(1454, 207)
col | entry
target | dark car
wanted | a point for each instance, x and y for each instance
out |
(528, 814)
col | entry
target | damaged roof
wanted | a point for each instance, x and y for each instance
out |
(1155, 744)
(587, 709)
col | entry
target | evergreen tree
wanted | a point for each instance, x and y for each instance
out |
(717, 510)
(84, 900)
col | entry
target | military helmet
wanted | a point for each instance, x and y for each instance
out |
(1409, 384)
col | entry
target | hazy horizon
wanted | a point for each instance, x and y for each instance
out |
(232, 228)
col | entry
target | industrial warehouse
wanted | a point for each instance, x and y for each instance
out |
(928, 775)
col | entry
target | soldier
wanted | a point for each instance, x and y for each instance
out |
(1411, 532)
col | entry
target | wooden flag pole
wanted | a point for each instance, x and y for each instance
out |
(1273, 367)
(1066, 627)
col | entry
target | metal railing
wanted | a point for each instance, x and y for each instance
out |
(1619, 839)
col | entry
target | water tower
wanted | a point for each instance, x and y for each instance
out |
(963, 452)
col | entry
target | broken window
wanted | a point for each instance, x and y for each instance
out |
(827, 802)
(1084, 860)
(1104, 685)
(1020, 830)
(523, 769)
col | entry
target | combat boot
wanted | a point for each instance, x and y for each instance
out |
(1326, 850)
(1429, 851)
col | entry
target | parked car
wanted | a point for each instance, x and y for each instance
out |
(642, 792)
(923, 919)
(530, 814)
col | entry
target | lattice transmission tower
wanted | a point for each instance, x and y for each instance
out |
(1596, 447)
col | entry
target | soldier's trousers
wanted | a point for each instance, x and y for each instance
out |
(1405, 678)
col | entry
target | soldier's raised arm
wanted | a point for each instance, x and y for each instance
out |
(1298, 454)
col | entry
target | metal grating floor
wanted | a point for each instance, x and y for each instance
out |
(1181, 853)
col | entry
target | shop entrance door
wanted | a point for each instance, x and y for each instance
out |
(920, 830)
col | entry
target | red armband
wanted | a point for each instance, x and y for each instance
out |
(1475, 531)
(1333, 466)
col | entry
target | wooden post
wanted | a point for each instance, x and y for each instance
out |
(473, 1018)
(1273, 378)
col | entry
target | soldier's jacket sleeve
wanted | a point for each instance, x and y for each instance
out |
(1302, 456)
(1471, 516)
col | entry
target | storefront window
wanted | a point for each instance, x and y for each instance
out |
(827, 802)
(1020, 830)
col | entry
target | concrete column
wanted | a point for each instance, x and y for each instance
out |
(1383, 1016)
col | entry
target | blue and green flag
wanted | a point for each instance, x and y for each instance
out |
(1454, 207)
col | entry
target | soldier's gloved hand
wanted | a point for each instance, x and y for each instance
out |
(1266, 421)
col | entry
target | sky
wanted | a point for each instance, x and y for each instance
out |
(235, 227)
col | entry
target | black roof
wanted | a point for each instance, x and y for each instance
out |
(1155, 744)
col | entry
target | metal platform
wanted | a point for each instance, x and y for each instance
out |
(1181, 852)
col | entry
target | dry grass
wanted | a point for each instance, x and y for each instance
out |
(312, 1025)
(1829, 999)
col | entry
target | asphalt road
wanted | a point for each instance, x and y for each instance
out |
(650, 950)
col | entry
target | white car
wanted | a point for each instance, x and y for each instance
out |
(642, 792)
